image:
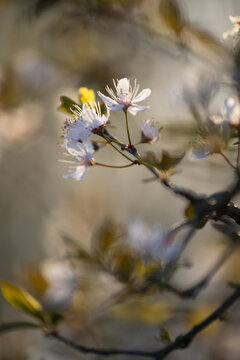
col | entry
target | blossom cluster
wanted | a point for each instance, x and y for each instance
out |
(91, 118)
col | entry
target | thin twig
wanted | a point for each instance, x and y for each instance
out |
(12, 326)
(227, 160)
(194, 290)
(120, 152)
(116, 166)
(238, 152)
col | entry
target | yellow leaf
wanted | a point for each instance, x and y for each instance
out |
(21, 299)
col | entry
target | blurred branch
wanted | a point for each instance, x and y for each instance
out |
(17, 325)
(194, 290)
(189, 195)
(181, 342)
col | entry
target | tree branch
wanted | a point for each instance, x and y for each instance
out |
(181, 342)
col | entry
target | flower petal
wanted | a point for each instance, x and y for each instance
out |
(234, 19)
(134, 109)
(142, 96)
(122, 88)
(107, 100)
(79, 174)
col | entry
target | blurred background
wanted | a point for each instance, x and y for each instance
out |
(51, 48)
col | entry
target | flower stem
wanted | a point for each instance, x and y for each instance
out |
(238, 153)
(227, 160)
(115, 166)
(127, 127)
(120, 152)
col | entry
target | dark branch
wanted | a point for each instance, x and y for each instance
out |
(17, 325)
(181, 342)
(194, 290)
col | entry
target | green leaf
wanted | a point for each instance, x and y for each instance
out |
(164, 337)
(21, 300)
(67, 105)
(167, 163)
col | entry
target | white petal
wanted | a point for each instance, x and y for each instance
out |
(75, 149)
(142, 96)
(79, 174)
(123, 87)
(134, 109)
(77, 131)
(230, 32)
(234, 19)
(199, 153)
(231, 111)
(217, 119)
(107, 100)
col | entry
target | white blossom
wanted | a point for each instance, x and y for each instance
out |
(231, 112)
(199, 85)
(150, 131)
(155, 242)
(62, 284)
(126, 97)
(82, 154)
(235, 29)
(88, 120)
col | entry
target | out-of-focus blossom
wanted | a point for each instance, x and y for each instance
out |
(61, 285)
(86, 96)
(230, 114)
(82, 154)
(150, 132)
(199, 85)
(19, 125)
(204, 147)
(88, 120)
(235, 28)
(126, 97)
(155, 242)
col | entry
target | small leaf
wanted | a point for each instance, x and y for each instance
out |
(21, 300)
(67, 105)
(164, 336)
(77, 250)
(190, 212)
(167, 163)
(124, 267)
(171, 14)
(53, 318)
(104, 238)
(170, 161)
